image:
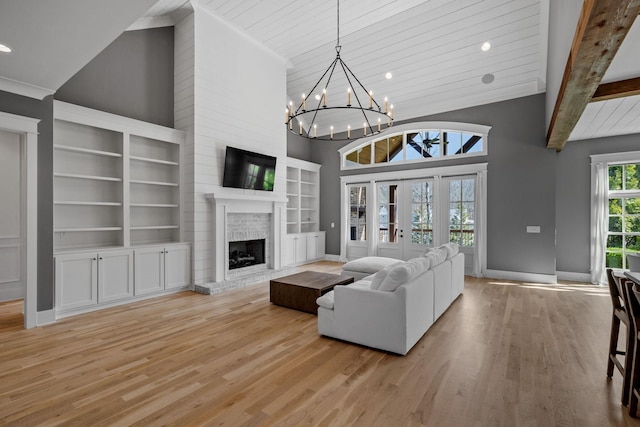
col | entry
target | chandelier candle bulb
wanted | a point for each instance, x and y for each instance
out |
(349, 132)
(331, 133)
(364, 129)
(304, 103)
(379, 125)
(370, 100)
(386, 105)
(348, 97)
(391, 111)
(324, 98)
(300, 128)
(315, 130)
(291, 108)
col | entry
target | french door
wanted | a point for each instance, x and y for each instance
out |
(413, 215)
(405, 218)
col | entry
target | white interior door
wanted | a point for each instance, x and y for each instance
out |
(12, 244)
(405, 218)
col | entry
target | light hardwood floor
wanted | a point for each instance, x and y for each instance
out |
(504, 354)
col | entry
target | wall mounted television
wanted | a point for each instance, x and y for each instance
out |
(249, 170)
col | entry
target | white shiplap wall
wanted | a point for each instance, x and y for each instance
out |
(238, 90)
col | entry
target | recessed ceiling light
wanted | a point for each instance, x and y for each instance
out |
(488, 78)
(485, 46)
(5, 49)
(317, 97)
(388, 76)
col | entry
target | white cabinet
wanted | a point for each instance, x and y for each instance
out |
(304, 247)
(177, 270)
(115, 275)
(295, 249)
(162, 267)
(88, 278)
(315, 245)
(303, 195)
(76, 280)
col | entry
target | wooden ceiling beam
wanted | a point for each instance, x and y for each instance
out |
(602, 27)
(618, 89)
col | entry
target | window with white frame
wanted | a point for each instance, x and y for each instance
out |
(623, 214)
(615, 212)
(416, 142)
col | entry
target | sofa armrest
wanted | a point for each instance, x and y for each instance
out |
(370, 317)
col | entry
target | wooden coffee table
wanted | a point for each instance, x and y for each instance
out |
(300, 291)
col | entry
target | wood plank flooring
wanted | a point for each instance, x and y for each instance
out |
(504, 354)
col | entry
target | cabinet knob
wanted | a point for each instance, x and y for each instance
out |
(100, 257)
(94, 258)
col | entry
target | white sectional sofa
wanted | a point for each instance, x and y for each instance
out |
(393, 308)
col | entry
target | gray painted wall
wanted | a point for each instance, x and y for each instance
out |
(298, 147)
(43, 110)
(573, 197)
(520, 184)
(132, 77)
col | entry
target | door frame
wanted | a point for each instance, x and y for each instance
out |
(27, 128)
(371, 179)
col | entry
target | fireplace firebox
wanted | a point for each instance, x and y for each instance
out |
(246, 253)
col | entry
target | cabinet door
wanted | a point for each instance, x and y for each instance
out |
(320, 245)
(76, 280)
(177, 266)
(312, 246)
(115, 275)
(301, 248)
(289, 244)
(149, 270)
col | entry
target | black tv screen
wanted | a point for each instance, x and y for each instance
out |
(245, 169)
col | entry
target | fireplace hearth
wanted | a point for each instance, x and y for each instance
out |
(246, 253)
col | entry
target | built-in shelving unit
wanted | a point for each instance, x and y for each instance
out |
(303, 194)
(116, 180)
(117, 200)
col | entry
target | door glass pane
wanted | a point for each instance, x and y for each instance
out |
(388, 218)
(358, 213)
(422, 213)
(462, 211)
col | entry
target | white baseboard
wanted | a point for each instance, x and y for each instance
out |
(45, 317)
(330, 257)
(521, 277)
(574, 277)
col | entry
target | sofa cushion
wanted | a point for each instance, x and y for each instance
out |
(403, 273)
(451, 248)
(379, 277)
(327, 300)
(436, 256)
(369, 264)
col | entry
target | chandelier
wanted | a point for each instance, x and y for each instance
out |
(358, 106)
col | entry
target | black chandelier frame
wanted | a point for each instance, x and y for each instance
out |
(301, 111)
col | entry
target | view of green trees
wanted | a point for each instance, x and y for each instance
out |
(624, 214)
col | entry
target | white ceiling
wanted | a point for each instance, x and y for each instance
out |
(432, 47)
(615, 116)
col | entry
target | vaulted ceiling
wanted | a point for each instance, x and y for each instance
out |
(431, 47)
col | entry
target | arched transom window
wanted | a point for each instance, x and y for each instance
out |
(416, 142)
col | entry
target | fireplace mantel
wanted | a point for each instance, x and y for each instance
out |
(231, 202)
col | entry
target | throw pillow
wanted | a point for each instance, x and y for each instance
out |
(403, 273)
(379, 277)
(451, 248)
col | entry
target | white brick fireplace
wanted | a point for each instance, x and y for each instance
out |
(240, 216)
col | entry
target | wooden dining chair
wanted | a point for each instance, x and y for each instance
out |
(634, 313)
(620, 315)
